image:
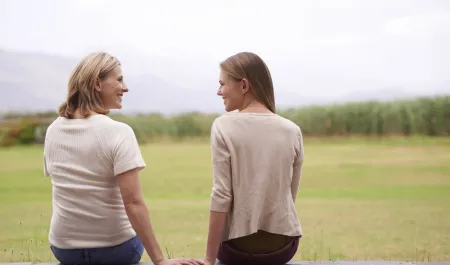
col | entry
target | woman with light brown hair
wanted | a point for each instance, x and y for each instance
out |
(99, 213)
(257, 158)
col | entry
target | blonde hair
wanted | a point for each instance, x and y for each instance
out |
(251, 67)
(81, 87)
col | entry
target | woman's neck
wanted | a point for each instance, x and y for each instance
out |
(255, 106)
(78, 115)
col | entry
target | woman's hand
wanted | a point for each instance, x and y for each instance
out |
(181, 261)
(208, 262)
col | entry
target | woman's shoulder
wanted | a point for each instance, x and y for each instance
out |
(118, 127)
(96, 123)
(230, 116)
(246, 124)
(270, 119)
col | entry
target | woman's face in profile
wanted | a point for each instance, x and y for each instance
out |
(230, 91)
(112, 89)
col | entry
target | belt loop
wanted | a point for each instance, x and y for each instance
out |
(86, 255)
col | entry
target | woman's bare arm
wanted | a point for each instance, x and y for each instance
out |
(216, 226)
(138, 214)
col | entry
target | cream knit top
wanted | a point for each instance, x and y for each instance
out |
(257, 162)
(83, 158)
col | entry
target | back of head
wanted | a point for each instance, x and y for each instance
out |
(251, 67)
(81, 87)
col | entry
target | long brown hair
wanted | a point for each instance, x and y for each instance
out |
(81, 87)
(251, 67)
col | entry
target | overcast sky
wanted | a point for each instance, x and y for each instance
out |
(333, 47)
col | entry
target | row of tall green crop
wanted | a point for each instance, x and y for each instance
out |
(427, 116)
(422, 116)
(156, 127)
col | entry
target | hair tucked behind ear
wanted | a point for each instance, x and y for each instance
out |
(81, 87)
(250, 66)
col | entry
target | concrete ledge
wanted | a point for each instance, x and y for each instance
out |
(338, 262)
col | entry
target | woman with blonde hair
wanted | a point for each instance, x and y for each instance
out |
(99, 213)
(257, 158)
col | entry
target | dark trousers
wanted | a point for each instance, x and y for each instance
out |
(230, 254)
(129, 252)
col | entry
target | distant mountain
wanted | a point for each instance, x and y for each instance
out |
(32, 81)
(38, 82)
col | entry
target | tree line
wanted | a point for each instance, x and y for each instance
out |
(427, 116)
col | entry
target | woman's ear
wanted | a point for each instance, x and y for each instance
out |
(97, 85)
(245, 86)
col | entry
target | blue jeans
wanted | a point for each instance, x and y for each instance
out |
(129, 252)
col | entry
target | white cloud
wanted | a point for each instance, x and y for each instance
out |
(317, 46)
(420, 26)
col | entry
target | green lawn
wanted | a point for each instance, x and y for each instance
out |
(371, 200)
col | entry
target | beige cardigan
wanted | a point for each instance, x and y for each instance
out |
(257, 160)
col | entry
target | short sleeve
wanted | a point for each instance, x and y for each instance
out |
(45, 167)
(222, 195)
(127, 154)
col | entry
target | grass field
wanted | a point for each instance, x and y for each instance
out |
(371, 200)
